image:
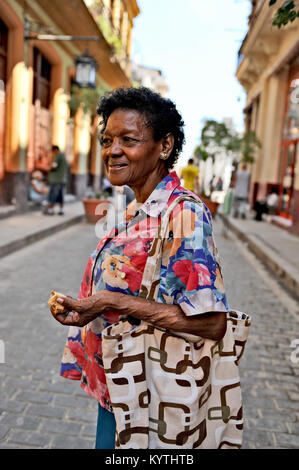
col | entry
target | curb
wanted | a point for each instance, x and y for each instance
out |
(273, 261)
(39, 235)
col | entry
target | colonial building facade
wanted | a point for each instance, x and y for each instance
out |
(150, 77)
(268, 69)
(36, 78)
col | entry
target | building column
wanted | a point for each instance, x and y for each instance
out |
(273, 129)
(295, 225)
(96, 167)
(258, 189)
(17, 125)
(60, 110)
(81, 150)
(2, 140)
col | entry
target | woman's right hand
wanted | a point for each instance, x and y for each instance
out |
(81, 312)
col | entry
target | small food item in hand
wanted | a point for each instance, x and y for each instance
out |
(56, 307)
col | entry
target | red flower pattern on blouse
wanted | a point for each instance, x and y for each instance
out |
(192, 275)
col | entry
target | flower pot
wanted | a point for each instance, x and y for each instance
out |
(95, 209)
(211, 205)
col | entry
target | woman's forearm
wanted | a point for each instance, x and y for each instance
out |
(210, 325)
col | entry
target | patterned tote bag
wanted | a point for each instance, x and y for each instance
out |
(174, 390)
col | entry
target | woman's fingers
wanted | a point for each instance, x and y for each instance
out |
(69, 303)
(71, 318)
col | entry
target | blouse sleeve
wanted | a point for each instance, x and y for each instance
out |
(73, 355)
(191, 274)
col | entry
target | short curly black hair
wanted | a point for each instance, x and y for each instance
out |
(160, 114)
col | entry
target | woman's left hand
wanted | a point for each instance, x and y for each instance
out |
(81, 312)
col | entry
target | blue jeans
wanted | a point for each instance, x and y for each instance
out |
(56, 193)
(105, 438)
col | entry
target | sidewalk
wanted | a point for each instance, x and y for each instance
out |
(18, 231)
(276, 247)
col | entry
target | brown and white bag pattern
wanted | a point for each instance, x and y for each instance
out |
(173, 390)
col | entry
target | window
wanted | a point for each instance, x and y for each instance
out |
(291, 118)
(3, 50)
(290, 142)
(42, 76)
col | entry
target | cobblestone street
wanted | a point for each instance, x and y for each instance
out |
(39, 409)
(269, 378)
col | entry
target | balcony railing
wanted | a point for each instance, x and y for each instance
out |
(103, 16)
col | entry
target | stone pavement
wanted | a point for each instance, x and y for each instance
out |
(275, 246)
(39, 409)
(21, 230)
(269, 368)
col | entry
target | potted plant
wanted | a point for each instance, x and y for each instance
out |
(84, 98)
(202, 154)
(211, 205)
(96, 206)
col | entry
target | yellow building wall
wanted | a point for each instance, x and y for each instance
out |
(20, 152)
(264, 74)
(271, 138)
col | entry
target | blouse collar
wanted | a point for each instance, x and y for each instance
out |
(157, 200)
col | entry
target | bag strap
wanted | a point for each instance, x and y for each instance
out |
(151, 276)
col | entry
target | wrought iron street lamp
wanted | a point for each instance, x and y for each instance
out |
(86, 67)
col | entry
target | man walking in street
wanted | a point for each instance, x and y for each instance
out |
(190, 176)
(57, 179)
(242, 186)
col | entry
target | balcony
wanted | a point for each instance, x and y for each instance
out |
(107, 19)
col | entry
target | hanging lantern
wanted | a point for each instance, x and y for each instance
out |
(86, 67)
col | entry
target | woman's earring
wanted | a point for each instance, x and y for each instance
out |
(164, 156)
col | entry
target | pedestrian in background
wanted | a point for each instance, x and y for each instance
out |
(38, 191)
(124, 196)
(241, 195)
(190, 176)
(227, 207)
(57, 179)
(107, 188)
(129, 194)
(273, 201)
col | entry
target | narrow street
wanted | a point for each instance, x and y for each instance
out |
(39, 409)
(269, 378)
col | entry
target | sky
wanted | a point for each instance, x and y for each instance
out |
(195, 44)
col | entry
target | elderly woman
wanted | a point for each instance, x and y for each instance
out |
(142, 137)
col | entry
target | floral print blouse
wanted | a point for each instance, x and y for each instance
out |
(190, 275)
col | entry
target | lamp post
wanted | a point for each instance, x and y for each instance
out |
(86, 68)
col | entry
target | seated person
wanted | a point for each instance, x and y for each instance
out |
(260, 207)
(38, 189)
(272, 201)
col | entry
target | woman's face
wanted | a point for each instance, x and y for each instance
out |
(129, 151)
